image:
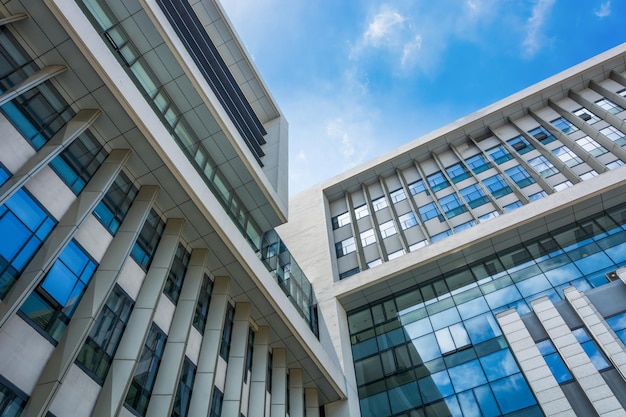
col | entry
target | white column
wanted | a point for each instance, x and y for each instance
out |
(547, 390)
(61, 140)
(600, 331)
(91, 304)
(278, 406)
(166, 384)
(258, 376)
(296, 393)
(123, 366)
(63, 233)
(595, 388)
(311, 402)
(200, 403)
(236, 361)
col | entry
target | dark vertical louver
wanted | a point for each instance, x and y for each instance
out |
(206, 56)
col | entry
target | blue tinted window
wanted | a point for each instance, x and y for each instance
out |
(478, 163)
(565, 125)
(542, 135)
(148, 239)
(591, 349)
(12, 399)
(457, 172)
(618, 324)
(499, 364)
(183, 393)
(520, 144)
(202, 307)
(116, 203)
(227, 333)
(216, 403)
(28, 224)
(52, 304)
(451, 205)
(499, 154)
(521, 177)
(467, 375)
(77, 164)
(503, 388)
(554, 361)
(430, 211)
(174, 282)
(437, 181)
(497, 186)
(417, 187)
(474, 196)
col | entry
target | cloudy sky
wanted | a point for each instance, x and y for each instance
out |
(357, 78)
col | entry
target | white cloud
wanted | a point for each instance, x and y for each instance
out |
(410, 51)
(535, 38)
(382, 26)
(604, 10)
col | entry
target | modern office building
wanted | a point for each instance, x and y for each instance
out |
(147, 269)
(143, 169)
(479, 270)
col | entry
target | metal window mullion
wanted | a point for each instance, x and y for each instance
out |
(115, 387)
(91, 305)
(62, 234)
(59, 142)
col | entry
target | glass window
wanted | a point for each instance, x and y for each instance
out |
(497, 186)
(216, 403)
(591, 146)
(202, 308)
(12, 399)
(609, 106)
(397, 195)
(380, 203)
(520, 144)
(566, 156)
(407, 220)
(591, 349)
(116, 202)
(227, 333)
(587, 115)
(499, 154)
(587, 175)
(345, 247)
(175, 277)
(79, 161)
(614, 134)
(542, 135)
(457, 172)
(185, 386)
(503, 388)
(438, 181)
(563, 185)
(417, 187)
(488, 216)
(368, 237)
(474, 196)
(145, 374)
(512, 206)
(28, 224)
(341, 220)
(622, 92)
(464, 226)
(249, 353)
(614, 164)
(460, 376)
(387, 229)
(452, 206)
(564, 125)
(537, 196)
(554, 361)
(439, 236)
(100, 346)
(349, 273)
(430, 211)
(396, 254)
(148, 239)
(478, 163)
(51, 306)
(361, 211)
(374, 263)
(520, 176)
(618, 324)
(543, 166)
(418, 245)
(268, 373)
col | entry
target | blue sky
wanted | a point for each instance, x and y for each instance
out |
(357, 78)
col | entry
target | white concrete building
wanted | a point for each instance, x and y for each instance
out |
(144, 268)
(476, 270)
